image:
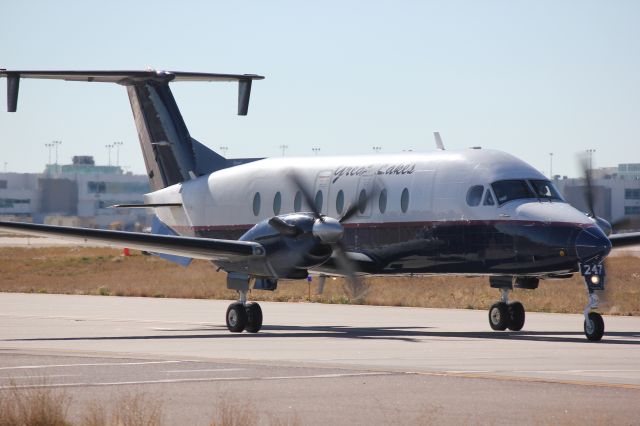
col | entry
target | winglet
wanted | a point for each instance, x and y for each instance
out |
(13, 83)
(438, 139)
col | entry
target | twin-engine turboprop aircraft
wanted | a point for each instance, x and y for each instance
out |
(471, 212)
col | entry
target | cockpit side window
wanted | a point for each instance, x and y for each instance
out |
(507, 190)
(545, 189)
(488, 198)
(474, 195)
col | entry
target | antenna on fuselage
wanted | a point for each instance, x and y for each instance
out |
(438, 139)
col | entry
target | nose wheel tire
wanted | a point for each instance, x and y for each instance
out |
(254, 317)
(499, 316)
(516, 316)
(594, 327)
(236, 317)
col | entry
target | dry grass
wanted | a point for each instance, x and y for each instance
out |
(33, 406)
(128, 410)
(106, 272)
(46, 406)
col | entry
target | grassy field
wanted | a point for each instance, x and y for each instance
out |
(103, 271)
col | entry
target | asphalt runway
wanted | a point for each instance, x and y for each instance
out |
(315, 364)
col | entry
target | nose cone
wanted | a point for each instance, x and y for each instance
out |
(329, 230)
(592, 244)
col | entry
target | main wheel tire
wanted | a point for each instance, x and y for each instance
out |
(254, 317)
(594, 327)
(236, 317)
(516, 316)
(499, 316)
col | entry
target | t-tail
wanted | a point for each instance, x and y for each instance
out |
(171, 155)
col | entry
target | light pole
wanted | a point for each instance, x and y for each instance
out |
(56, 144)
(283, 148)
(118, 144)
(315, 150)
(377, 149)
(109, 147)
(50, 146)
(551, 165)
(590, 153)
(224, 150)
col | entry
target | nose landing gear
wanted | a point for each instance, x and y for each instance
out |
(594, 277)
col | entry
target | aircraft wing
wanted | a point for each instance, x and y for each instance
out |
(628, 239)
(197, 248)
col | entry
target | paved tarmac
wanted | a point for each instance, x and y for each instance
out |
(315, 364)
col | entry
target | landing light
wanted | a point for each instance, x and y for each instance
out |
(595, 279)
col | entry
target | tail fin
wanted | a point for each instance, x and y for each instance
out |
(171, 155)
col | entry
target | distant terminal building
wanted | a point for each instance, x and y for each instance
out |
(77, 194)
(616, 191)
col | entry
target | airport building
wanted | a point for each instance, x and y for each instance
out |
(81, 193)
(616, 191)
(76, 194)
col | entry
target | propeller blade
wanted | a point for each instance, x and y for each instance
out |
(285, 228)
(359, 206)
(588, 193)
(356, 286)
(352, 210)
(311, 202)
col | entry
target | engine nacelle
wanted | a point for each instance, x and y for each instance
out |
(291, 246)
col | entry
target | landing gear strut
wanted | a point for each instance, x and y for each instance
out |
(505, 314)
(594, 277)
(593, 322)
(242, 315)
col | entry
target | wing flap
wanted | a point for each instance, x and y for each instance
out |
(197, 248)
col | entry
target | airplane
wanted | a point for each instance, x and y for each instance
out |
(473, 212)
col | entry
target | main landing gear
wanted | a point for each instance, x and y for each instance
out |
(243, 315)
(505, 314)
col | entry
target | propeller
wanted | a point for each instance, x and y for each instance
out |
(606, 227)
(330, 231)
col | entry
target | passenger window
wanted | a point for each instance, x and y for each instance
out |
(474, 195)
(404, 200)
(362, 201)
(382, 201)
(297, 202)
(340, 202)
(256, 204)
(277, 203)
(488, 198)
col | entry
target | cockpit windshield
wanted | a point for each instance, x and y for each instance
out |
(507, 190)
(545, 189)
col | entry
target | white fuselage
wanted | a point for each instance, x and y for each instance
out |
(434, 185)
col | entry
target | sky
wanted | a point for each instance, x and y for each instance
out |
(527, 77)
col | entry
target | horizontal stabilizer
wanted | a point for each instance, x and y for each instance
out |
(128, 78)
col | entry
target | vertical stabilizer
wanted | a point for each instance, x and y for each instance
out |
(170, 154)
